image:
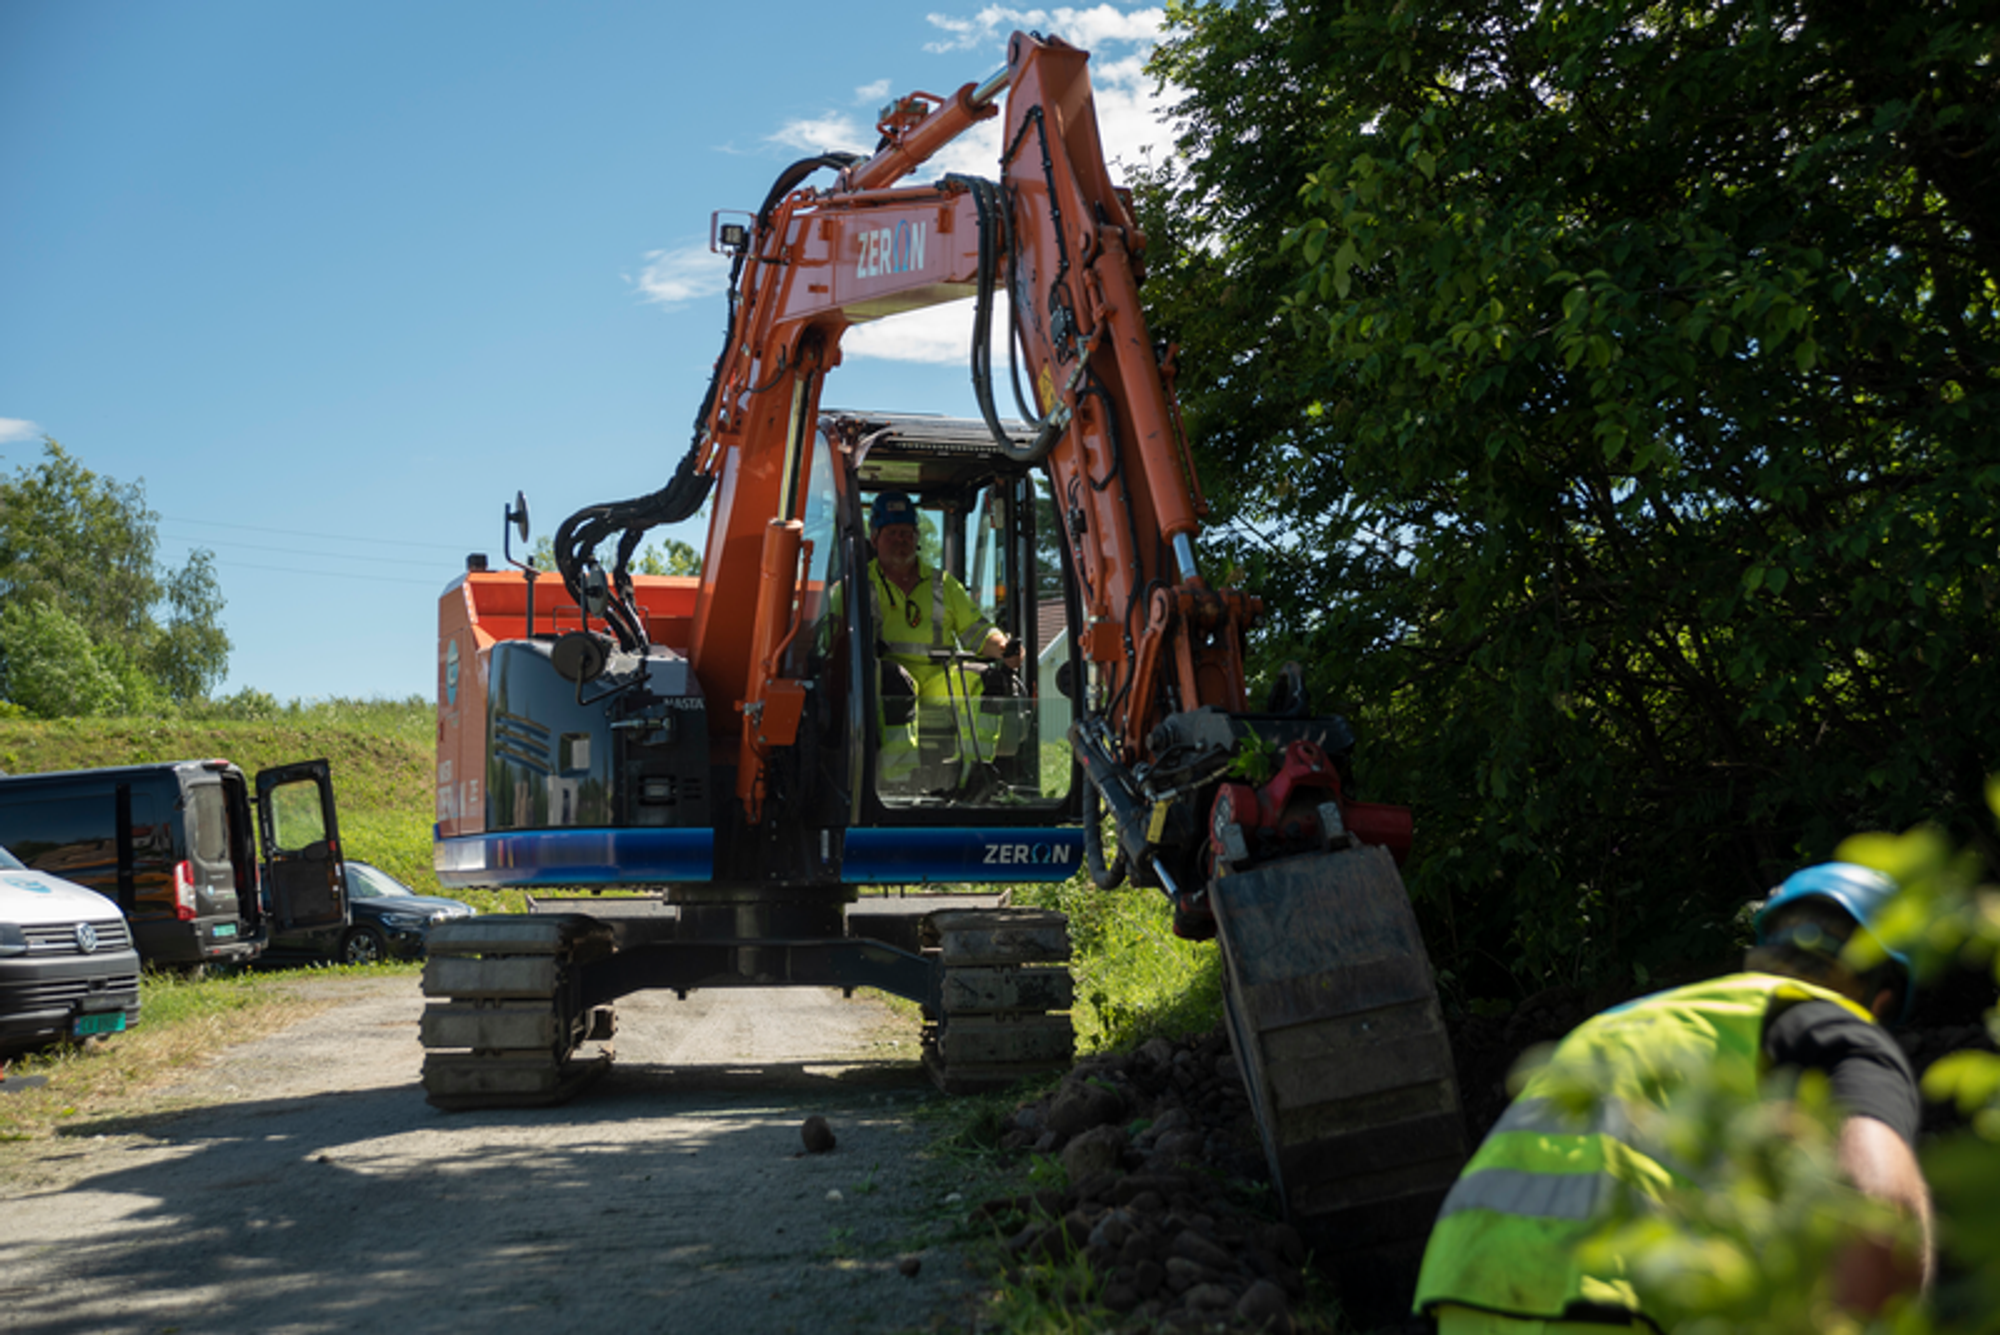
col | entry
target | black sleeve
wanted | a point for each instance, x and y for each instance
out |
(1870, 1075)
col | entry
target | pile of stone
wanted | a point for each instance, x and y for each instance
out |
(1169, 1204)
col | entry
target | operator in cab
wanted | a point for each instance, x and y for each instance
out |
(922, 617)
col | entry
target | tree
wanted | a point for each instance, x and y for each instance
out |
(1605, 390)
(669, 556)
(80, 589)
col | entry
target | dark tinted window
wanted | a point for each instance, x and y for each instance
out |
(208, 823)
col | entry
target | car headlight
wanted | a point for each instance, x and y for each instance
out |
(404, 922)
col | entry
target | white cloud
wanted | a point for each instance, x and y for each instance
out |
(14, 429)
(675, 277)
(821, 134)
(936, 336)
(1092, 29)
(872, 93)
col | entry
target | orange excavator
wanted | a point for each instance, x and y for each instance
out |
(754, 745)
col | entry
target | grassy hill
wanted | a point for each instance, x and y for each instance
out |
(380, 751)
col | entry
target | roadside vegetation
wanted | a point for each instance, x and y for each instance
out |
(69, 1089)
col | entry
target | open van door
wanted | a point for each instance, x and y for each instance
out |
(304, 877)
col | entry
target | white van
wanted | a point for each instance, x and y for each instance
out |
(67, 966)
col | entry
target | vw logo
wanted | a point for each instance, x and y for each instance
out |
(86, 937)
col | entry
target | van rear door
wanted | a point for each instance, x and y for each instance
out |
(303, 874)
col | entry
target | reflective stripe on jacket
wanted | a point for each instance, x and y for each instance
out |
(942, 611)
(1507, 1238)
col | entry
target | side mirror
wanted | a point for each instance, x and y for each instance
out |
(518, 516)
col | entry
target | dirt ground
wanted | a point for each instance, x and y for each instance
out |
(315, 1190)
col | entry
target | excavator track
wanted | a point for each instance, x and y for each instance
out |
(1005, 998)
(1333, 1013)
(503, 1026)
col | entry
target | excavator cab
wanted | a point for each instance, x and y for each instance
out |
(915, 720)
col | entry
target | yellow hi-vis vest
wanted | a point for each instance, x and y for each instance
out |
(1508, 1236)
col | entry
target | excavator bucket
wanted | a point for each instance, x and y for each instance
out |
(1334, 1016)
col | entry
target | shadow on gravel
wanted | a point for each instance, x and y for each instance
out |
(664, 1198)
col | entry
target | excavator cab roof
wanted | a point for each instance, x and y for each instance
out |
(924, 453)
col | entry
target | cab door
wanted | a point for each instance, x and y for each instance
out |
(304, 878)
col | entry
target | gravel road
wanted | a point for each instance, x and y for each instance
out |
(312, 1188)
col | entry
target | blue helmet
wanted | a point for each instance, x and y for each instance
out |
(892, 507)
(1862, 892)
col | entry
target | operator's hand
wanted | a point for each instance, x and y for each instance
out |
(1010, 652)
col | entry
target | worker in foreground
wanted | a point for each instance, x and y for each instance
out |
(1519, 1243)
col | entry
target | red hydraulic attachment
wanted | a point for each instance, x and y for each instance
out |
(1300, 809)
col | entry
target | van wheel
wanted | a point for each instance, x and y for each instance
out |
(363, 945)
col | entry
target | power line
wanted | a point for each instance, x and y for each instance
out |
(300, 533)
(240, 568)
(331, 556)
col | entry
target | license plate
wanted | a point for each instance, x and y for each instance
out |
(105, 1022)
(225, 929)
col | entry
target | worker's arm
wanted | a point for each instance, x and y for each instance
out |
(999, 645)
(1873, 1269)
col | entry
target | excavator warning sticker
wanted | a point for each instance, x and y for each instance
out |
(892, 250)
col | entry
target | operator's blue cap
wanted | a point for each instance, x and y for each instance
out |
(893, 507)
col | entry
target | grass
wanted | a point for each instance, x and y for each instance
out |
(1134, 977)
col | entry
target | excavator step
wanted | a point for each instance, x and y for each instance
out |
(1332, 1010)
(571, 937)
(506, 976)
(1008, 987)
(998, 936)
(463, 1082)
(503, 1026)
(1005, 996)
(529, 1025)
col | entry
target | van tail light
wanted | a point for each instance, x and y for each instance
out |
(184, 891)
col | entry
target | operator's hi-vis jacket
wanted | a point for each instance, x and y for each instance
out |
(1507, 1236)
(937, 614)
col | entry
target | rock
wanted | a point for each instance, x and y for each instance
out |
(1183, 1274)
(1082, 1104)
(908, 1266)
(1209, 1298)
(1179, 1147)
(1190, 1245)
(817, 1135)
(1119, 1296)
(1264, 1306)
(1112, 1230)
(1093, 1152)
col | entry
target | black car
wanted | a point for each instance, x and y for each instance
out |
(387, 920)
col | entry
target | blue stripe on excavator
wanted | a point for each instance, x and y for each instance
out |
(661, 856)
(576, 857)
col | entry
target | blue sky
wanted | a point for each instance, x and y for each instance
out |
(335, 280)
